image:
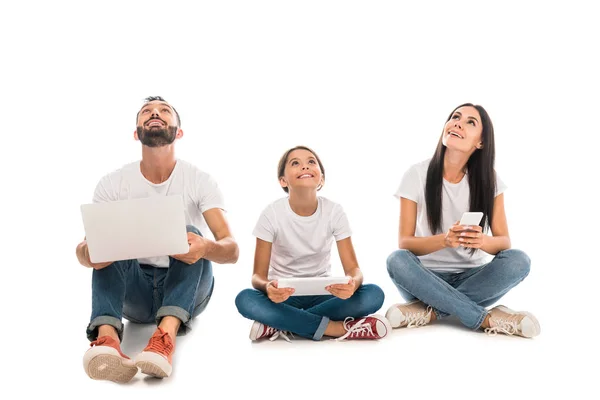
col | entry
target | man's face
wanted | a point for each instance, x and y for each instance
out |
(157, 124)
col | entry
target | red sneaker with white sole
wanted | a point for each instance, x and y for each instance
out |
(105, 361)
(157, 358)
(373, 326)
(261, 331)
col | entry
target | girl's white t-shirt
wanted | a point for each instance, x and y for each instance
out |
(301, 245)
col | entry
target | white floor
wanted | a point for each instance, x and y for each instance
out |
(217, 358)
(368, 85)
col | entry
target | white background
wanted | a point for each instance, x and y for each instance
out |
(369, 86)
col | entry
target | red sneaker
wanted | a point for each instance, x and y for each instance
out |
(260, 331)
(157, 358)
(105, 361)
(373, 326)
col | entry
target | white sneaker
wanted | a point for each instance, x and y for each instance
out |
(410, 315)
(520, 323)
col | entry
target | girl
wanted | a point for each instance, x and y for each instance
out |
(293, 239)
(441, 268)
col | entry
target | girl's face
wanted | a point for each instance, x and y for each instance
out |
(301, 171)
(463, 130)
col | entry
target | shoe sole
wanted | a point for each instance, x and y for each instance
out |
(527, 330)
(153, 364)
(386, 324)
(104, 364)
(254, 330)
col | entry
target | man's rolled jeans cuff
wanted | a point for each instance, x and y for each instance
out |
(177, 312)
(92, 329)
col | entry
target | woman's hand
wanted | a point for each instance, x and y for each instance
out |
(451, 239)
(469, 236)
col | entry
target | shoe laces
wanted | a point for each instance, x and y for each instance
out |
(98, 342)
(502, 325)
(283, 334)
(273, 334)
(358, 329)
(160, 342)
(415, 320)
(269, 331)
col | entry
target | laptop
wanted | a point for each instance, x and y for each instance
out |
(131, 229)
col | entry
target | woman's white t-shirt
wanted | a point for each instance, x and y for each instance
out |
(455, 201)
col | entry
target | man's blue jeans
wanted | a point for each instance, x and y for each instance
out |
(145, 294)
(464, 294)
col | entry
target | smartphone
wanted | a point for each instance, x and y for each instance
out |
(471, 218)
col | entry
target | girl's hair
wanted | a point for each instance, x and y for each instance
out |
(480, 170)
(284, 159)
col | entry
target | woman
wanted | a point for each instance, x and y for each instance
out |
(441, 268)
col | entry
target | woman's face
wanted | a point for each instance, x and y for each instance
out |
(463, 130)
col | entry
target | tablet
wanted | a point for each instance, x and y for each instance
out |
(311, 286)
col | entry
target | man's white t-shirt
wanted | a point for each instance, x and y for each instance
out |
(198, 189)
(455, 201)
(301, 245)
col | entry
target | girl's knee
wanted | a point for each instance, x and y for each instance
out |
(244, 299)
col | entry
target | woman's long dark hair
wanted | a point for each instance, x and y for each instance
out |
(480, 169)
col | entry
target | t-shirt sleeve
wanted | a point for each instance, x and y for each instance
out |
(209, 193)
(339, 224)
(410, 185)
(104, 191)
(500, 186)
(265, 226)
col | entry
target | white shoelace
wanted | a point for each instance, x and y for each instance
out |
(502, 326)
(419, 319)
(359, 329)
(283, 334)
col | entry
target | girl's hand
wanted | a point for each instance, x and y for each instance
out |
(278, 295)
(343, 291)
(471, 237)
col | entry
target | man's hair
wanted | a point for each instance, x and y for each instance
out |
(159, 98)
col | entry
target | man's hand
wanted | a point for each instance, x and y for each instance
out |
(83, 256)
(198, 249)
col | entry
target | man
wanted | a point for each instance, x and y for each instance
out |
(169, 290)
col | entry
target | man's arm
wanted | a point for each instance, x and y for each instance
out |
(224, 249)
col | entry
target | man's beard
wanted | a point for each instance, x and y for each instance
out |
(157, 137)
